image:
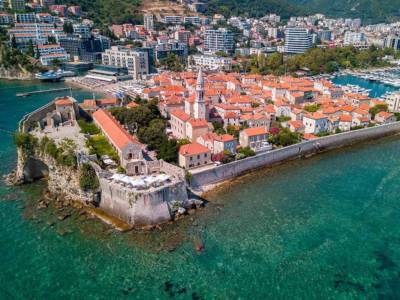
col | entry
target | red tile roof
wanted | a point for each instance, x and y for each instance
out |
(315, 116)
(180, 114)
(64, 101)
(224, 138)
(196, 123)
(193, 149)
(255, 131)
(117, 135)
(345, 118)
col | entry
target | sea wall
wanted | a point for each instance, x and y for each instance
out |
(35, 116)
(228, 171)
(141, 207)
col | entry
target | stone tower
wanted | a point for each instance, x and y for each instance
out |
(199, 103)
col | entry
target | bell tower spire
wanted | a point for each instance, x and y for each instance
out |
(200, 104)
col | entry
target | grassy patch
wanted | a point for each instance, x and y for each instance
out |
(100, 146)
(88, 127)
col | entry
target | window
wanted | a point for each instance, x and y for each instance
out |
(205, 154)
(198, 156)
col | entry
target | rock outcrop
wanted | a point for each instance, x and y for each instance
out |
(17, 73)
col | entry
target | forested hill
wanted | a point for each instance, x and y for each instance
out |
(107, 12)
(253, 8)
(371, 11)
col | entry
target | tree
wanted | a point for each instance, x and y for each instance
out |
(13, 42)
(218, 128)
(168, 151)
(173, 63)
(285, 138)
(68, 28)
(153, 135)
(246, 152)
(88, 180)
(312, 107)
(221, 53)
(31, 50)
(51, 39)
(25, 141)
(377, 109)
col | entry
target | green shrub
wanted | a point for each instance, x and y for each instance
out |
(27, 142)
(51, 149)
(87, 127)
(246, 152)
(88, 180)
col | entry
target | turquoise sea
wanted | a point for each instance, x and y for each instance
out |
(327, 227)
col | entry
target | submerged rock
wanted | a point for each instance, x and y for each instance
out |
(199, 245)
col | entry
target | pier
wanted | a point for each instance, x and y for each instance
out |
(42, 92)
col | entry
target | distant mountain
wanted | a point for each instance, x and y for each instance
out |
(371, 11)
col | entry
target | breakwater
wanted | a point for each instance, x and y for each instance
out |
(200, 180)
(48, 91)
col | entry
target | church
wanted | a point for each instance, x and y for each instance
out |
(193, 121)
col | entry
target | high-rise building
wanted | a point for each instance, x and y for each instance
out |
(352, 38)
(137, 62)
(297, 40)
(219, 40)
(393, 102)
(182, 36)
(16, 4)
(85, 49)
(148, 21)
(392, 41)
(162, 50)
(25, 18)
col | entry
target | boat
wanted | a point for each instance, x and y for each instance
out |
(54, 76)
(49, 76)
(65, 73)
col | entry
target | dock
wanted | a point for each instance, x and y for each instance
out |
(42, 92)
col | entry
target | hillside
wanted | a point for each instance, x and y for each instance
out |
(121, 11)
(371, 11)
(105, 12)
(253, 8)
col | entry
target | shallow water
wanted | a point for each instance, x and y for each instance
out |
(321, 228)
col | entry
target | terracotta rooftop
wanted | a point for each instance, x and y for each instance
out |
(117, 135)
(180, 114)
(64, 101)
(193, 149)
(255, 131)
(196, 123)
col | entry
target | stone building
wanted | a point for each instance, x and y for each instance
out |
(128, 148)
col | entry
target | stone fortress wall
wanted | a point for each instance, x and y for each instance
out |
(136, 207)
(200, 180)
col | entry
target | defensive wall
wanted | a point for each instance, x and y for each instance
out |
(228, 171)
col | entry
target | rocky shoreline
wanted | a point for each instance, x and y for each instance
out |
(14, 74)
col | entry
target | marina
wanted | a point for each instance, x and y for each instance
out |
(387, 76)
